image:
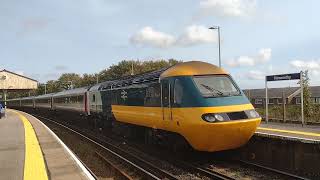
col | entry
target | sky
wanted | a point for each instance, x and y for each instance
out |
(43, 39)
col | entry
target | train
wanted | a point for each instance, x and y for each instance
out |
(193, 103)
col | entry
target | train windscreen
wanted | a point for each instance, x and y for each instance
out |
(216, 86)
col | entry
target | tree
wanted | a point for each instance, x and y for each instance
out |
(89, 80)
(69, 81)
(307, 104)
(129, 67)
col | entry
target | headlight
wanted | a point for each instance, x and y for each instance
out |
(252, 113)
(209, 118)
(215, 117)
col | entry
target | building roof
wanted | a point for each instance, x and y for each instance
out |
(4, 70)
(277, 92)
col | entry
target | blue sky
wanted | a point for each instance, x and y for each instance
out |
(42, 38)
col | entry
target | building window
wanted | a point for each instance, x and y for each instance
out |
(258, 101)
(279, 101)
(271, 101)
(318, 100)
(298, 100)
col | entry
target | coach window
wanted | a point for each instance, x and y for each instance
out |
(94, 98)
(178, 93)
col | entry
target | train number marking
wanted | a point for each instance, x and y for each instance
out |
(124, 95)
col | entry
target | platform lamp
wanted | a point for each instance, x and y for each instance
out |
(218, 28)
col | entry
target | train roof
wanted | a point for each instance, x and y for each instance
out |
(148, 77)
(192, 68)
(27, 98)
(76, 91)
(15, 99)
(44, 96)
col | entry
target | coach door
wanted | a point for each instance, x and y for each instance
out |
(165, 100)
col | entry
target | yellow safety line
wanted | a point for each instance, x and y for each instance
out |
(34, 165)
(288, 131)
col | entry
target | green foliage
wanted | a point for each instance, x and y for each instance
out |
(307, 104)
(131, 67)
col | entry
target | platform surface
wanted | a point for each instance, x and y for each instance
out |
(11, 147)
(306, 133)
(21, 136)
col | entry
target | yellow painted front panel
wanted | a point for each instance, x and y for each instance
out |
(188, 122)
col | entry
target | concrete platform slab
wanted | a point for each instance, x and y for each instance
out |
(287, 131)
(59, 161)
(11, 148)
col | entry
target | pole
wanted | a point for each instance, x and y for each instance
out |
(219, 46)
(132, 68)
(301, 86)
(5, 98)
(266, 100)
(45, 88)
(284, 106)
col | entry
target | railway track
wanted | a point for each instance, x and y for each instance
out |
(144, 168)
(268, 169)
(149, 170)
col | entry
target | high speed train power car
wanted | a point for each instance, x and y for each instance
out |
(193, 102)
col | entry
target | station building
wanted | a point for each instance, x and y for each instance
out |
(276, 95)
(13, 82)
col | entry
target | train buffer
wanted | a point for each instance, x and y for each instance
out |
(289, 131)
(29, 150)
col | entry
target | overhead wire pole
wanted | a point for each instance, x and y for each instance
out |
(301, 86)
(219, 42)
(266, 101)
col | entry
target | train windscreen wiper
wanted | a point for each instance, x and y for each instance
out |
(214, 91)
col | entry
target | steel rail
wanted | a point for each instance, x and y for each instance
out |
(152, 170)
(115, 167)
(289, 175)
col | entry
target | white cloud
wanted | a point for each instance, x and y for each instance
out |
(312, 65)
(197, 35)
(228, 8)
(256, 75)
(148, 36)
(193, 35)
(263, 56)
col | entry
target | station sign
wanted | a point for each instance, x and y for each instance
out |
(282, 77)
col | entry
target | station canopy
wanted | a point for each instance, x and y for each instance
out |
(13, 82)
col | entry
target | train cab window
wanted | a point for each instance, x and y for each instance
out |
(177, 93)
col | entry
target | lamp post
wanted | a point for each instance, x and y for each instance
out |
(217, 28)
(45, 88)
(71, 84)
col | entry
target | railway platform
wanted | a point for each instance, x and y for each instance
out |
(286, 146)
(30, 150)
(290, 131)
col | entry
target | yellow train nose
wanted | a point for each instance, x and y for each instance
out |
(222, 136)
